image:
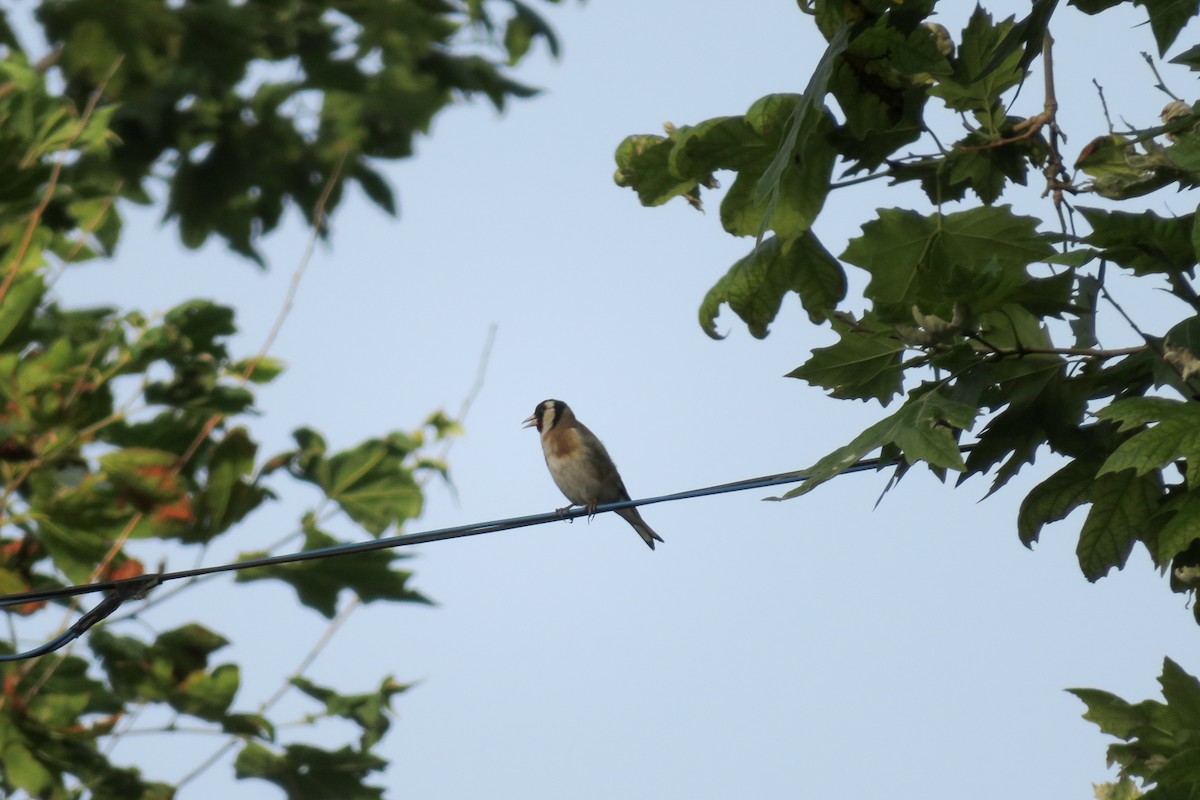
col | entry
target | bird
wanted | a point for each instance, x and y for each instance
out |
(580, 466)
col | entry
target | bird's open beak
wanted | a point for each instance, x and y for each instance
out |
(529, 423)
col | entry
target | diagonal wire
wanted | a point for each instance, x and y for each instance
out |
(134, 588)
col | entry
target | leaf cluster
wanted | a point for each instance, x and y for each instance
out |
(1161, 741)
(124, 435)
(982, 321)
(243, 110)
(979, 323)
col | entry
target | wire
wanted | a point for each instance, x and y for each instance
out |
(137, 588)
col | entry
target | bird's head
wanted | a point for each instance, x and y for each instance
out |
(548, 414)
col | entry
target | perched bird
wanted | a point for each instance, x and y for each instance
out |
(580, 465)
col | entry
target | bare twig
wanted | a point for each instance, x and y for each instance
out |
(1103, 104)
(1161, 85)
(1082, 352)
(270, 702)
(480, 373)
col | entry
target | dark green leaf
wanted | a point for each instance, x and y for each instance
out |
(22, 297)
(1182, 693)
(370, 711)
(990, 61)
(309, 773)
(230, 492)
(1113, 715)
(145, 473)
(860, 365)
(1180, 530)
(1168, 18)
(755, 286)
(1027, 34)
(923, 429)
(802, 190)
(1122, 502)
(369, 575)
(1145, 243)
(376, 187)
(1175, 434)
(910, 256)
(642, 165)
(1054, 498)
(243, 725)
(1189, 58)
(804, 123)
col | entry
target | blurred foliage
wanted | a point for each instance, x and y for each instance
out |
(240, 110)
(980, 322)
(123, 432)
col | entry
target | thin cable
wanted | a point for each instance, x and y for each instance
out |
(134, 588)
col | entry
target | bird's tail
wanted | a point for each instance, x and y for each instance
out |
(647, 533)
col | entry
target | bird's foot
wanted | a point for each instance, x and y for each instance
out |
(562, 512)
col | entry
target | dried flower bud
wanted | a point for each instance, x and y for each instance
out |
(1172, 111)
(941, 38)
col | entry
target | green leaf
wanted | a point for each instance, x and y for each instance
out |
(208, 695)
(1175, 434)
(1054, 498)
(265, 369)
(75, 551)
(147, 474)
(1029, 32)
(989, 62)
(1122, 502)
(173, 670)
(1144, 243)
(910, 257)
(1182, 693)
(22, 298)
(246, 725)
(369, 575)
(1189, 58)
(860, 365)
(371, 482)
(1043, 407)
(804, 123)
(230, 492)
(802, 191)
(1168, 18)
(309, 773)
(923, 429)
(1180, 775)
(1115, 716)
(1094, 6)
(24, 771)
(370, 711)
(376, 188)
(643, 165)
(755, 286)
(1181, 529)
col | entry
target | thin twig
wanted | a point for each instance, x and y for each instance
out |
(480, 373)
(1099, 355)
(270, 702)
(1103, 104)
(1161, 85)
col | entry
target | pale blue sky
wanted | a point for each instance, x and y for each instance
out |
(819, 647)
